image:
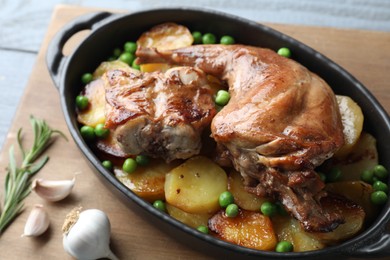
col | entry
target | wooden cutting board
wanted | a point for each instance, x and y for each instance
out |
(365, 54)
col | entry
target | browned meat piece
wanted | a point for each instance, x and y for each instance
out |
(281, 122)
(158, 114)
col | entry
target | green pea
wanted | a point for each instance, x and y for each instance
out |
(380, 186)
(231, 210)
(379, 197)
(101, 132)
(82, 102)
(203, 229)
(227, 40)
(134, 65)
(86, 78)
(333, 175)
(127, 57)
(222, 97)
(268, 209)
(142, 160)
(285, 52)
(322, 176)
(130, 47)
(367, 176)
(381, 172)
(117, 52)
(280, 209)
(209, 38)
(107, 164)
(225, 199)
(197, 37)
(160, 205)
(284, 246)
(87, 132)
(130, 165)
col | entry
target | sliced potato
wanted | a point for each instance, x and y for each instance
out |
(248, 229)
(363, 157)
(111, 146)
(147, 181)
(352, 119)
(151, 67)
(166, 36)
(191, 219)
(354, 219)
(94, 114)
(242, 198)
(195, 185)
(289, 229)
(109, 65)
(357, 191)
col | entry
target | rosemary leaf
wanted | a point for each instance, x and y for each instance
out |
(18, 179)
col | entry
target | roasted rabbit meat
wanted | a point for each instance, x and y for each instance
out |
(281, 122)
(158, 114)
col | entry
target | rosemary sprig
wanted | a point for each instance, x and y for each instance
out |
(18, 179)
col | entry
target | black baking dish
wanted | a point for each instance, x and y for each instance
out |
(110, 30)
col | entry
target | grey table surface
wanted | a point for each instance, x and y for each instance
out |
(23, 24)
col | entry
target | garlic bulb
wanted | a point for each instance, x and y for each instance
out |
(87, 235)
(37, 222)
(53, 190)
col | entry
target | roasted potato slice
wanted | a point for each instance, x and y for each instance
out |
(248, 229)
(289, 229)
(243, 198)
(363, 157)
(109, 65)
(354, 219)
(166, 36)
(94, 113)
(352, 119)
(191, 219)
(195, 185)
(147, 181)
(357, 191)
(151, 67)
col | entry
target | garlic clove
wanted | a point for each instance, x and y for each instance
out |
(87, 235)
(37, 222)
(53, 190)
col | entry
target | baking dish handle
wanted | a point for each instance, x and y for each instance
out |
(55, 59)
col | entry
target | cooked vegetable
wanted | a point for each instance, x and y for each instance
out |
(109, 65)
(94, 113)
(227, 40)
(130, 47)
(367, 176)
(82, 102)
(87, 132)
(232, 210)
(117, 52)
(222, 97)
(248, 228)
(134, 65)
(142, 160)
(333, 175)
(191, 219)
(242, 197)
(381, 172)
(209, 38)
(225, 199)
(379, 197)
(160, 205)
(352, 119)
(86, 78)
(195, 185)
(197, 37)
(285, 52)
(284, 246)
(289, 229)
(268, 209)
(129, 166)
(167, 36)
(101, 132)
(107, 164)
(150, 67)
(203, 229)
(380, 186)
(127, 58)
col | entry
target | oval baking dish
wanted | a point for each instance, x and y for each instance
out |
(109, 30)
